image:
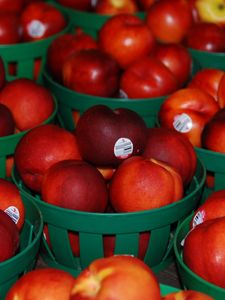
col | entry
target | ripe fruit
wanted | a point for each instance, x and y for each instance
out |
(47, 283)
(30, 103)
(91, 72)
(107, 137)
(40, 148)
(204, 253)
(141, 183)
(7, 124)
(116, 277)
(213, 133)
(75, 184)
(9, 28)
(40, 20)
(173, 148)
(169, 20)
(187, 295)
(114, 7)
(63, 46)
(127, 38)
(9, 237)
(148, 77)
(11, 202)
(188, 110)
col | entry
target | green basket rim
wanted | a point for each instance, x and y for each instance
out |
(183, 265)
(17, 257)
(15, 136)
(204, 151)
(207, 53)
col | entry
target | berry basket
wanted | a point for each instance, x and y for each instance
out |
(125, 227)
(8, 144)
(214, 163)
(27, 59)
(166, 289)
(188, 278)
(209, 59)
(25, 259)
(90, 22)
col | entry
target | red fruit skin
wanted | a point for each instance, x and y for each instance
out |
(9, 28)
(14, 6)
(101, 130)
(187, 295)
(67, 184)
(204, 36)
(221, 92)
(203, 251)
(187, 110)
(208, 79)
(65, 45)
(173, 148)
(11, 202)
(40, 20)
(46, 283)
(111, 7)
(7, 124)
(105, 278)
(9, 237)
(213, 133)
(213, 207)
(176, 58)
(126, 38)
(137, 185)
(169, 20)
(83, 5)
(91, 72)
(30, 103)
(40, 148)
(147, 78)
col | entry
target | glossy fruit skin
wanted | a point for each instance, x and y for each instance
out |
(7, 124)
(11, 6)
(127, 38)
(206, 37)
(107, 137)
(221, 92)
(40, 20)
(67, 184)
(213, 133)
(137, 185)
(9, 237)
(187, 110)
(209, 79)
(46, 283)
(173, 148)
(29, 102)
(147, 78)
(177, 58)
(203, 251)
(9, 28)
(91, 72)
(106, 278)
(187, 295)
(213, 207)
(111, 7)
(169, 20)
(65, 45)
(40, 148)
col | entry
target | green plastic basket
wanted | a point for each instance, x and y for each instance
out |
(214, 162)
(126, 227)
(188, 278)
(167, 289)
(8, 143)
(90, 22)
(25, 259)
(209, 59)
(24, 55)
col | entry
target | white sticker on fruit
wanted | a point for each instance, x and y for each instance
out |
(182, 123)
(122, 94)
(14, 213)
(123, 148)
(36, 29)
(198, 218)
